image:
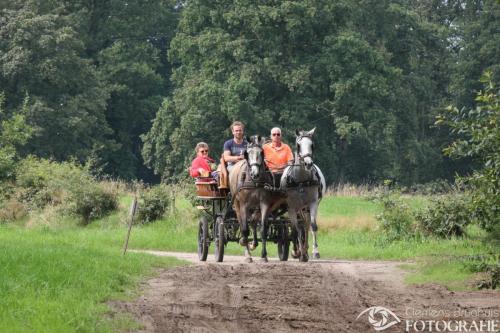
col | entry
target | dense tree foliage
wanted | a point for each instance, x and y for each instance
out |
(478, 132)
(370, 75)
(96, 72)
(14, 133)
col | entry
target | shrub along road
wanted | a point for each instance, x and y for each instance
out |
(318, 296)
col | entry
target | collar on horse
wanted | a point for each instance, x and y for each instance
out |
(314, 180)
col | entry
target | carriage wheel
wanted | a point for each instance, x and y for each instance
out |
(203, 238)
(220, 239)
(283, 243)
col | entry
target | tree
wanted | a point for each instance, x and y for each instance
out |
(43, 55)
(478, 134)
(367, 86)
(128, 41)
(478, 51)
(14, 133)
(96, 72)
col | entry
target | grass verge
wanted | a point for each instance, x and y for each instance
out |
(54, 281)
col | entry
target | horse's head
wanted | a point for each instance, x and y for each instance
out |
(255, 155)
(305, 146)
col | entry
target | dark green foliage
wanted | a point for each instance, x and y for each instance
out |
(478, 49)
(96, 73)
(342, 67)
(478, 137)
(396, 220)
(43, 55)
(14, 133)
(370, 75)
(446, 217)
(154, 202)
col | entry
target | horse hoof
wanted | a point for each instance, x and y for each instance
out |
(243, 241)
(316, 255)
(304, 259)
(248, 260)
(294, 254)
(253, 245)
(263, 259)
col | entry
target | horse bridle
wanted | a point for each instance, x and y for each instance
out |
(255, 163)
(297, 142)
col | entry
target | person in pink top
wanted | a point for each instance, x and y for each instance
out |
(202, 165)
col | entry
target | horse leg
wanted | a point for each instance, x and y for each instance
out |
(314, 228)
(244, 227)
(295, 245)
(255, 242)
(244, 233)
(304, 256)
(300, 233)
(248, 255)
(264, 209)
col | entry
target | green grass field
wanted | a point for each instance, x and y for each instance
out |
(348, 230)
(59, 281)
(56, 276)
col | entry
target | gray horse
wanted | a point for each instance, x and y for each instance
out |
(304, 185)
(247, 183)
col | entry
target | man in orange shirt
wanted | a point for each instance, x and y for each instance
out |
(277, 155)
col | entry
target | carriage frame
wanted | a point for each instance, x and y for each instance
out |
(219, 225)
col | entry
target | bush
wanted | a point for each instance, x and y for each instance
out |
(41, 182)
(396, 219)
(89, 200)
(68, 186)
(14, 133)
(488, 264)
(477, 133)
(11, 210)
(446, 217)
(154, 203)
(438, 186)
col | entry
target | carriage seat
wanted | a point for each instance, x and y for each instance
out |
(208, 187)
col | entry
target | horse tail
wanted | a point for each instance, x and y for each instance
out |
(284, 178)
(322, 181)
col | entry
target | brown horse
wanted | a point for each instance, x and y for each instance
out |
(247, 181)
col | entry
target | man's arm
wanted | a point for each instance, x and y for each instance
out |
(227, 153)
(229, 158)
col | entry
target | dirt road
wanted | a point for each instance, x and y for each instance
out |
(318, 296)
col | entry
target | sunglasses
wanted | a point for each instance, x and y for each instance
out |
(276, 134)
(203, 151)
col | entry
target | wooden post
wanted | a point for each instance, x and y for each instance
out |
(133, 210)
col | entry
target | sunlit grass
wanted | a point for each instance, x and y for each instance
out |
(55, 276)
(59, 280)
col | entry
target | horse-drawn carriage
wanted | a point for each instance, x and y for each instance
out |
(219, 225)
(281, 215)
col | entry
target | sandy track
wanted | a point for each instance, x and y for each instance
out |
(318, 296)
